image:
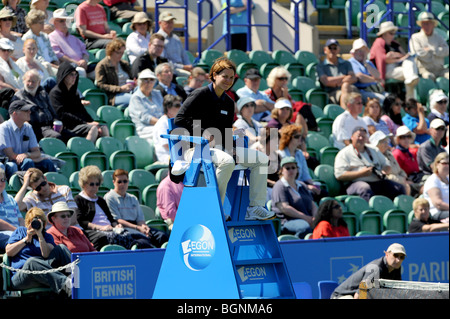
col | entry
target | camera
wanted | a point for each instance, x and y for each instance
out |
(378, 173)
(36, 224)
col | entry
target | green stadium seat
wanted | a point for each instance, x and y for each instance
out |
(332, 111)
(109, 114)
(381, 204)
(57, 148)
(141, 178)
(443, 84)
(325, 173)
(364, 233)
(306, 58)
(422, 90)
(52, 146)
(108, 178)
(352, 222)
(142, 149)
(404, 203)
(356, 204)
(283, 57)
(149, 195)
(396, 219)
(122, 159)
(112, 247)
(316, 141)
(259, 57)
(161, 174)
(158, 224)
(328, 155)
(97, 97)
(317, 111)
(371, 221)
(85, 84)
(148, 212)
(238, 56)
(390, 232)
(122, 128)
(210, 56)
(285, 237)
(109, 145)
(57, 178)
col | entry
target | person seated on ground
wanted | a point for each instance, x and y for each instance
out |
(168, 196)
(92, 25)
(345, 122)
(422, 221)
(29, 60)
(292, 201)
(429, 47)
(290, 143)
(8, 20)
(69, 109)
(137, 42)
(438, 106)
(173, 48)
(18, 142)
(32, 248)
(392, 61)
(42, 5)
(10, 216)
(10, 73)
(125, 209)
(370, 83)
(429, 149)
(171, 106)
(329, 222)
(246, 108)
(436, 190)
(264, 105)
(268, 144)
(387, 267)
(416, 121)
(42, 112)
(44, 194)
(63, 233)
(392, 113)
(277, 81)
(372, 117)
(146, 105)
(397, 174)
(45, 53)
(20, 27)
(113, 75)
(336, 74)
(94, 216)
(406, 157)
(150, 58)
(164, 73)
(209, 110)
(195, 80)
(363, 167)
(66, 46)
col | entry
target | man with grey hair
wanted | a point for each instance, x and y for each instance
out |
(164, 73)
(42, 112)
(345, 122)
(387, 267)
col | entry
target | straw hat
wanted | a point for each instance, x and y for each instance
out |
(59, 207)
(426, 16)
(60, 14)
(387, 27)
(6, 12)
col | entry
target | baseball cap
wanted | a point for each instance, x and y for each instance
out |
(252, 74)
(436, 123)
(378, 136)
(6, 44)
(404, 130)
(359, 128)
(358, 44)
(282, 103)
(242, 101)
(331, 42)
(288, 160)
(166, 16)
(397, 249)
(147, 74)
(19, 105)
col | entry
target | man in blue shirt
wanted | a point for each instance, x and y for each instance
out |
(18, 141)
(416, 121)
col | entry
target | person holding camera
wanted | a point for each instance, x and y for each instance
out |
(363, 169)
(30, 247)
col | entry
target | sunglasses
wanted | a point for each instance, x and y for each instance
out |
(7, 19)
(442, 102)
(64, 216)
(38, 188)
(337, 206)
(440, 128)
(333, 48)
(399, 256)
(297, 136)
(122, 181)
(94, 184)
(289, 168)
(406, 136)
(284, 78)
(252, 104)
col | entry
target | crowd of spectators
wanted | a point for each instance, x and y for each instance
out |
(387, 144)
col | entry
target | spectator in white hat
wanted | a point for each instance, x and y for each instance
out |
(429, 149)
(438, 106)
(10, 73)
(8, 20)
(246, 108)
(139, 39)
(20, 13)
(146, 105)
(66, 46)
(429, 47)
(370, 83)
(391, 59)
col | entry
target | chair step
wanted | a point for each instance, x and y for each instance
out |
(251, 262)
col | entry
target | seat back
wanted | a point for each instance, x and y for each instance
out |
(80, 145)
(122, 128)
(142, 149)
(109, 145)
(141, 178)
(381, 203)
(112, 247)
(326, 288)
(325, 173)
(302, 290)
(52, 146)
(57, 178)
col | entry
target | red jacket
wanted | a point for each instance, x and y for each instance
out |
(110, 3)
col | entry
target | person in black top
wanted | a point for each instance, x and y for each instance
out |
(422, 221)
(386, 267)
(209, 112)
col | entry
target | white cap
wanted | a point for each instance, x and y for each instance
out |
(378, 136)
(358, 44)
(6, 44)
(281, 103)
(436, 123)
(436, 96)
(397, 249)
(147, 74)
(404, 130)
(242, 101)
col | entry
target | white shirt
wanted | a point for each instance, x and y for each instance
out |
(435, 182)
(136, 45)
(161, 127)
(343, 127)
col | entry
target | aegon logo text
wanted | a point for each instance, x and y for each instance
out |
(241, 234)
(252, 273)
(197, 247)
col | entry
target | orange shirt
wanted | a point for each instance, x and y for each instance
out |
(325, 229)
